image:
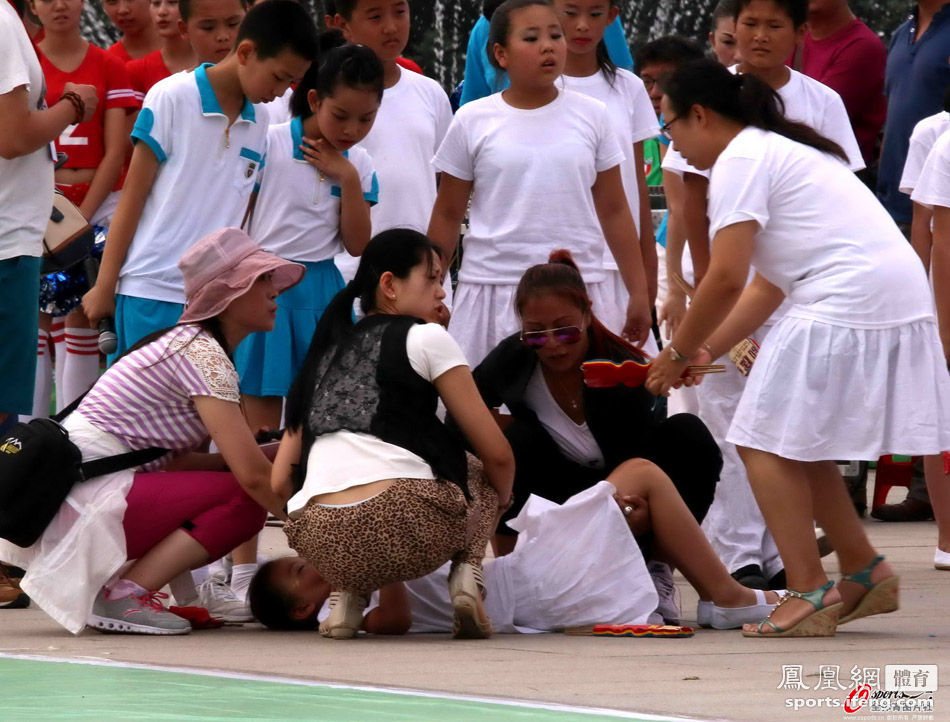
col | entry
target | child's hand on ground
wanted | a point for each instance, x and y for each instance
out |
(330, 162)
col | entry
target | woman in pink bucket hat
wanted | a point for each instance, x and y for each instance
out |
(121, 537)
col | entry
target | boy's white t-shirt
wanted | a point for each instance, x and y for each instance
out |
(297, 216)
(932, 188)
(922, 141)
(816, 105)
(824, 239)
(533, 171)
(26, 183)
(278, 110)
(345, 459)
(206, 174)
(410, 124)
(632, 119)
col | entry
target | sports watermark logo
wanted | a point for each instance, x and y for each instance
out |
(892, 692)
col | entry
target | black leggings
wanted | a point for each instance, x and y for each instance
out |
(681, 446)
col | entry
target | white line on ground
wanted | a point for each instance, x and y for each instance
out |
(550, 706)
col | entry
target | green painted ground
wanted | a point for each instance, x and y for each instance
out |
(35, 690)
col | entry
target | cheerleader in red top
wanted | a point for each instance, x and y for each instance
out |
(96, 150)
(175, 53)
(139, 36)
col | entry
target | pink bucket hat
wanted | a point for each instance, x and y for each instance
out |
(222, 266)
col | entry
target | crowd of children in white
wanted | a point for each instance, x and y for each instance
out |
(281, 238)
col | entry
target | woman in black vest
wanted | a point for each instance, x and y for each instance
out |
(383, 491)
(565, 436)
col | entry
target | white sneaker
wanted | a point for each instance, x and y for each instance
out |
(467, 592)
(222, 603)
(662, 576)
(346, 615)
(941, 560)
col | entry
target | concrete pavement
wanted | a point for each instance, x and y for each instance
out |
(714, 675)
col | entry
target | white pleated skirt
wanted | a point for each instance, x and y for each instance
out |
(612, 310)
(820, 392)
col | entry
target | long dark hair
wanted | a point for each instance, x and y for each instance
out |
(607, 66)
(744, 99)
(337, 63)
(561, 277)
(397, 251)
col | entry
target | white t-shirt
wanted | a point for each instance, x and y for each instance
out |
(806, 101)
(922, 141)
(345, 459)
(533, 171)
(816, 105)
(599, 575)
(278, 110)
(409, 126)
(823, 238)
(932, 188)
(26, 183)
(205, 177)
(633, 120)
(297, 215)
(576, 441)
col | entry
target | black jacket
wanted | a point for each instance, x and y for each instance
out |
(620, 418)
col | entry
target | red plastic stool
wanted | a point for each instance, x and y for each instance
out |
(891, 473)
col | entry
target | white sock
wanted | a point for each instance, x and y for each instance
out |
(57, 335)
(43, 386)
(241, 576)
(125, 588)
(81, 364)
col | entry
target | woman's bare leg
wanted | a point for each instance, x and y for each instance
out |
(679, 539)
(938, 486)
(834, 511)
(783, 490)
(176, 553)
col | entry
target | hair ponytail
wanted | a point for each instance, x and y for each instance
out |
(744, 99)
(395, 251)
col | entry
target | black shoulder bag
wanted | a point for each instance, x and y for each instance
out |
(38, 467)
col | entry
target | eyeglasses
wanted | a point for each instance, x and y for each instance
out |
(567, 335)
(665, 128)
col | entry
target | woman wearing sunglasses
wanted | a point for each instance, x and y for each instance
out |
(567, 437)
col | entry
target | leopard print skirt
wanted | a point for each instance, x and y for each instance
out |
(407, 531)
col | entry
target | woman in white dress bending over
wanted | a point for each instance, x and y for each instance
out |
(854, 370)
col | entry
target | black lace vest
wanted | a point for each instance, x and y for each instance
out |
(367, 385)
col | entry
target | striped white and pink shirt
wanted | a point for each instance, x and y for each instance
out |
(145, 398)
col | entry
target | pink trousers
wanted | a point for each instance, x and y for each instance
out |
(211, 506)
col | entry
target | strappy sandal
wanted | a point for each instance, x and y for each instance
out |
(467, 590)
(879, 598)
(820, 623)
